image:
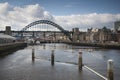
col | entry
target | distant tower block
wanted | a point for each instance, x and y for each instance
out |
(117, 26)
(8, 30)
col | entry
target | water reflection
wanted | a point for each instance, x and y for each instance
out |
(95, 58)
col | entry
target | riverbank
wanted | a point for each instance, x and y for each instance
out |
(100, 45)
(11, 47)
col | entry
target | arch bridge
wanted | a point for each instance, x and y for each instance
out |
(48, 23)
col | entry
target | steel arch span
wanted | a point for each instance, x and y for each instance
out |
(50, 23)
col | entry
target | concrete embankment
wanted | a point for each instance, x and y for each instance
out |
(11, 47)
(100, 45)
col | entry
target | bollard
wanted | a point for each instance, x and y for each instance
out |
(80, 61)
(44, 46)
(110, 70)
(52, 58)
(54, 46)
(33, 55)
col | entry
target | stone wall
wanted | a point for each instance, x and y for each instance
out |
(12, 46)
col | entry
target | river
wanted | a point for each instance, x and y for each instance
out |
(16, 65)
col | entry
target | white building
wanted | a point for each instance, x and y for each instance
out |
(6, 39)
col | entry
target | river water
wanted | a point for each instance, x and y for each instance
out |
(16, 65)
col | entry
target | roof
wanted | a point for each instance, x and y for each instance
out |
(6, 36)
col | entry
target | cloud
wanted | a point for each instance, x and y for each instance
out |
(18, 17)
(87, 20)
(4, 7)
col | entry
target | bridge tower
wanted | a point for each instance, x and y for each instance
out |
(75, 35)
(8, 30)
(33, 34)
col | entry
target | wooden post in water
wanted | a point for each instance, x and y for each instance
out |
(33, 54)
(80, 61)
(110, 70)
(44, 46)
(52, 58)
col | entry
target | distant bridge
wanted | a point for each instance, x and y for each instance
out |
(49, 23)
(39, 29)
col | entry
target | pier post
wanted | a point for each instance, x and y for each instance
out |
(80, 61)
(110, 70)
(44, 46)
(52, 58)
(33, 54)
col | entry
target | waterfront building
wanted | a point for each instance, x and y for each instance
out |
(82, 37)
(118, 36)
(92, 35)
(117, 26)
(105, 35)
(4, 39)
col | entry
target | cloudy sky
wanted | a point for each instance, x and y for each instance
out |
(67, 13)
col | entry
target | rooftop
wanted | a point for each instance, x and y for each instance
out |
(6, 36)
